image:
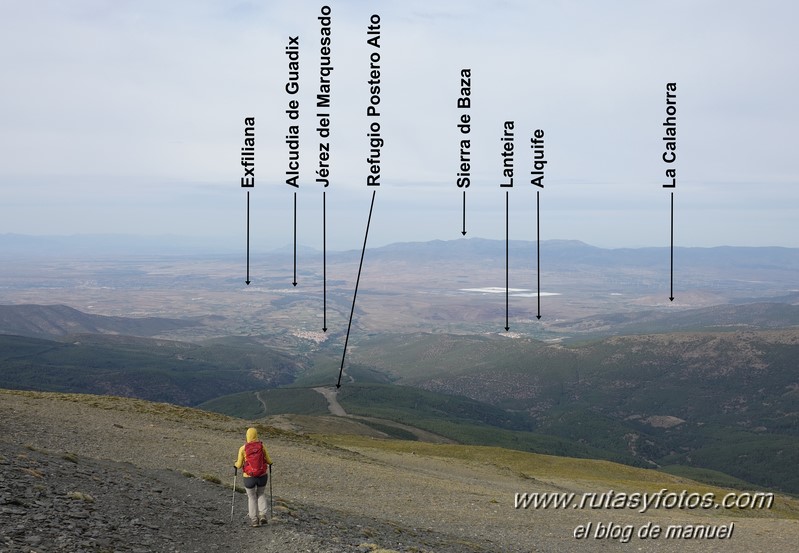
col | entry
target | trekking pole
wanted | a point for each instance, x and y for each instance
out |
(270, 490)
(232, 501)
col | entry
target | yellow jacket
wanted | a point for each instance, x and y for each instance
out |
(252, 436)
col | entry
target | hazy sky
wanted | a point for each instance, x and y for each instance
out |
(127, 117)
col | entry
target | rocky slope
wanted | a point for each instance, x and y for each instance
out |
(86, 473)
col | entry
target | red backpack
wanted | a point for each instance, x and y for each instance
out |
(254, 462)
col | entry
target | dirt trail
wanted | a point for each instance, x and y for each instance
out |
(333, 405)
(261, 401)
(336, 409)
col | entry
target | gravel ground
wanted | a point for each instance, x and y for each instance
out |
(102, 474)
(62, 502)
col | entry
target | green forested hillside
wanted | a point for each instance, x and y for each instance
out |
(46, 321)
(157, 370)
(720, 401)
(725, 401)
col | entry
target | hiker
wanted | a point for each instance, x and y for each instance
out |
(254, 462)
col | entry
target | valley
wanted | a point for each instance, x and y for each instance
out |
(703, 386)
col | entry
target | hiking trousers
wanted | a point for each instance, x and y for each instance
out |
(256, 497)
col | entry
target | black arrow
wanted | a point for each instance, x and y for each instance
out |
(294, 282)
(324, 262)
(538, 246)
(507, 289)
(248, 239)
(671, 293)
(357, 281)
(464, 213)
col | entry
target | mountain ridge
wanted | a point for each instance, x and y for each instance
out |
(160, 370)
(121, 244)
(61, 320)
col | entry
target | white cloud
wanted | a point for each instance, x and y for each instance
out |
(141, 104)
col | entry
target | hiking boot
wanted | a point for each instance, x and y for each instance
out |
(263, 520)
(255, 523)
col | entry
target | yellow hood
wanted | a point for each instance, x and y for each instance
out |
(252, 435)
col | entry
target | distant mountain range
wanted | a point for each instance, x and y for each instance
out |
(571, 250)
(554, 251)
(565, 254)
